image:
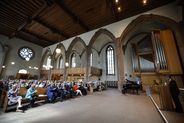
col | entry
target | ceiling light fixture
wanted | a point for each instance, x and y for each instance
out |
(116, 1)
(119, 9)
(144, 2)
(12, 63)
(66, 64)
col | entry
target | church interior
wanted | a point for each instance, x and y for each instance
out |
(96, 61)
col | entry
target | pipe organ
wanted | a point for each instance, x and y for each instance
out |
(166, 55)
(160, 57)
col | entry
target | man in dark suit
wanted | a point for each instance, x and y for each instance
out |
(174, 90)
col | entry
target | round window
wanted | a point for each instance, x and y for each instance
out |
(26, 53)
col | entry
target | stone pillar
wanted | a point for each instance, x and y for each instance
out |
(87, 63)
(65, 74)
(3, 61)
(120, 62)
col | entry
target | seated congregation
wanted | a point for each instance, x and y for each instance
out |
(24, 94)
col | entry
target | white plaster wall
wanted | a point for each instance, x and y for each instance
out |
(12, 56)
(96, 59)
(170, 10)
(83, 60)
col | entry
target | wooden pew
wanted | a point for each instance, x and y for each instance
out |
(3, 95)
(41, 92)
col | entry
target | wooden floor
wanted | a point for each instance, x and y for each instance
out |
(109, 106)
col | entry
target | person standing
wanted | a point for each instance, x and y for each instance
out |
(174, 91)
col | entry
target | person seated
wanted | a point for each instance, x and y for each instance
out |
(13, 97)
(31, 95)
(60, 91)
(76, 89)
(68, 90)
(83, 90)
(51, 92)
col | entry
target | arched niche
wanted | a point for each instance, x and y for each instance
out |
(57, 57)
(141, 28)
(78, 47)
(45, 56)
(97, 47)
(99, 40)
(141, 22)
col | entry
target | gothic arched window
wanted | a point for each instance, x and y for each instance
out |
(110, 60)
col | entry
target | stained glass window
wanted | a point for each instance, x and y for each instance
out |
(26, 53)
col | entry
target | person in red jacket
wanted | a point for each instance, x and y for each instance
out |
(76, 89)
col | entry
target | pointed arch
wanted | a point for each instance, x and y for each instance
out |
(60, 46)
(74, 42)
(57, 56)
(98, 33)
(168, 22)
(110, 60)
(45, 55)
(173, 25)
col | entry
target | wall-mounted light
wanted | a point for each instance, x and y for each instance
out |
(66, 64)
(12, 63)
(58, 50)
(116, 1)
(35, 68)
(27, 59)
(3, 66)
(144, 2)
(119, 9)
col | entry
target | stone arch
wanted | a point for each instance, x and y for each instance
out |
(46, 53)
(74, 42)
(168, 22)
(55, 55)
(98, 33)
(61, 46)
(95, 37)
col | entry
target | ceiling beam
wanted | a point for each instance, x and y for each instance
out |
(180, 2)
(29, 20)
(73, 15)
(6, 5)
(52, 28)
(33, 39)
(38, 36)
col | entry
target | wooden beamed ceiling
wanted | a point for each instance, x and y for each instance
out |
(46, 22)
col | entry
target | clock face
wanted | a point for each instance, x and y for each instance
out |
(26, 53)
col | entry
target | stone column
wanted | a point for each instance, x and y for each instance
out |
(120, 62)
(87, 63)
(65, 74)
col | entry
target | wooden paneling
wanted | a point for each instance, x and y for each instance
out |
(171, 52)
(60, 71)
(148, 79)
(165, 98)
(76, 71)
